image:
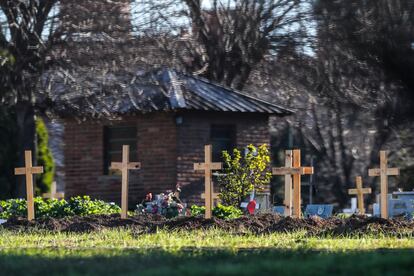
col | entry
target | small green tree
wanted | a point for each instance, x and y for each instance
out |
(44, 158)
(242, 174)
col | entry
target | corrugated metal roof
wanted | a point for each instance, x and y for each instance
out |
(159, 90)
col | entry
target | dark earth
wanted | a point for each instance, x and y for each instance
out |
(258, 224)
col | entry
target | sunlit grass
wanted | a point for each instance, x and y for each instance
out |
(178, 240)
(212, 252)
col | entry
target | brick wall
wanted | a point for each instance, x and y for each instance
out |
(194, 133)
(84, 158)
(166, 151)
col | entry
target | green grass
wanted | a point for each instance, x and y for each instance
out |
(201, 253)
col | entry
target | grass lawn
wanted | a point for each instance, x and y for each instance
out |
(200, 253)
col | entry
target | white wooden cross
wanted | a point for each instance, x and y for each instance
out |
(124, 167)
(29, 171)
(53, 193)
(383, 172)
(208, 166)
(292, 169)
(360, 191)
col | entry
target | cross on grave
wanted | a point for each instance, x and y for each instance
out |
(215, 196)
(293, 170)
(29, 171)
(208, 166)
(287, 172)
(124, 167)
(53, 193)
(383, 172)
(359, 191)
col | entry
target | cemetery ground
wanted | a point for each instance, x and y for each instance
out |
(105, 245)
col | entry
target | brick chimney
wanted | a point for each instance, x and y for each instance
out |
(107, 17)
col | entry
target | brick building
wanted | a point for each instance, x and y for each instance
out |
(166, 117)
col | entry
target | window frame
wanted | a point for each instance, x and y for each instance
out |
(108, 152)
(232, 128)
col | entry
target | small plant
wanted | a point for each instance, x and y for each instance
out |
(220, 211)
(80, 205)
(242, 174)
(197, 210)
(227, 212)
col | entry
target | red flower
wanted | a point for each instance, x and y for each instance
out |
(148, 197)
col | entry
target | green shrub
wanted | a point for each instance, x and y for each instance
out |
(81, 206)
(197, 210)
(44, 158)
(226, 212)
(220, 211)
(242, 174)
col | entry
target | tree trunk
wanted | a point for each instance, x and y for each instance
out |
(26, 140)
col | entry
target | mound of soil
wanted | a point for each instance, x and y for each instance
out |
(259, 224)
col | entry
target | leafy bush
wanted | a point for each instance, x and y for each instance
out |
(80, 205)
(197, 210)
(226, 212)
(83, 206)
(242, 174)
(220, 211)
(44, 158)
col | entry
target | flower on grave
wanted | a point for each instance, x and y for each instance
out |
(148, 197)
(167, 204)
(155, 209)
(140, 209)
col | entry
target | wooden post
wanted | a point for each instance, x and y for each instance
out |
(292, 169)
(383, 172)
(287, 172)
(360, 191)
(28, 170)
(296, 185)
(124, 167)
(208, 166)
(53, 193)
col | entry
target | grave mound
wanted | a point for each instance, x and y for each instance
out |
(258, 224)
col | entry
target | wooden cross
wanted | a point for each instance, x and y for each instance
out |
(53, 193)
(293, 170)
(208, 166)
(214, 195)
(359, 191)
(124, 167)
(287, 172)
(383, 172)
(29, 171)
